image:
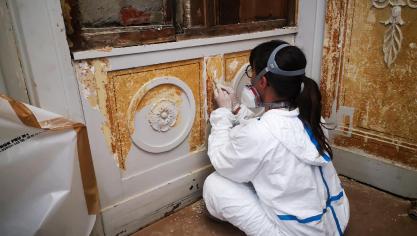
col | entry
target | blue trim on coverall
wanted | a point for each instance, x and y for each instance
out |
(329, 200)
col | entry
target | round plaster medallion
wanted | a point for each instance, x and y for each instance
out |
(162, 115)
(166, 118)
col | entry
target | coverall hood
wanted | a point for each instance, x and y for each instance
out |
(298, 143)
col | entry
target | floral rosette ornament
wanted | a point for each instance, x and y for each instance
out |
(162, 115)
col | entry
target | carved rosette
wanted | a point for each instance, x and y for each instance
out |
(393, 36)
(162, 116)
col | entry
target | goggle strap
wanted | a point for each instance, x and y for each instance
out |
(273, 67)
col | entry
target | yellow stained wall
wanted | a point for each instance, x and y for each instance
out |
(112, 92)
(355, 76)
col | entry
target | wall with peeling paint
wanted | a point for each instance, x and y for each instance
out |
(119, 94)
(136, 186)
(113, 93)
(118, 105)
(373, 104)
(146, 109)
(151, 185)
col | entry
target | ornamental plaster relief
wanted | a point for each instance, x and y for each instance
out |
(393, 36)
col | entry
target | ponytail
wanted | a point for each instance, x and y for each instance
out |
(309, 105)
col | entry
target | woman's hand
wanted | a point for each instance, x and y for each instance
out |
(224, 96)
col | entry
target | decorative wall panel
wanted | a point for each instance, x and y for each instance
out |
(374, 106)
(157, 107)
(153, 110)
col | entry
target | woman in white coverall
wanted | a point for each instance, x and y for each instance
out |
(274, 174)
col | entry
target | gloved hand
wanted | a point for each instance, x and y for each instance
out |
(224, 96)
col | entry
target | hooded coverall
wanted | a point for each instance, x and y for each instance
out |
(270, 179)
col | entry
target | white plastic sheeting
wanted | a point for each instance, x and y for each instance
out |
(41, 184)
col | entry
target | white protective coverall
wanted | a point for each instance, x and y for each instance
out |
(270, 178)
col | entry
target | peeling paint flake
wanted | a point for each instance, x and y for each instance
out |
(92, 76)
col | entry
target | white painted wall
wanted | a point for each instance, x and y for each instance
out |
(45, 57)
(12, 80)
(2, 85)
(377, 172)
(310, 35)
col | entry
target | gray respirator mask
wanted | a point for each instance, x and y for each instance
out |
(251, 98)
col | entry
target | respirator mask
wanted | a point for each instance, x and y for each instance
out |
(251, 98)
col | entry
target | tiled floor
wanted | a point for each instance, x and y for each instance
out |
(373, 212)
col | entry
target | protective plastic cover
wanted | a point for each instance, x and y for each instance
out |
(43, 161)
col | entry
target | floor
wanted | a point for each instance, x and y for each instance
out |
(373, 212)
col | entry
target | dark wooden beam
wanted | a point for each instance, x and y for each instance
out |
(219, 30)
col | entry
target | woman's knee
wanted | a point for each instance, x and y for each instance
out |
(211, 184)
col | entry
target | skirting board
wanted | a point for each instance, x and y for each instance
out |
(128, 217)
(379, 173)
